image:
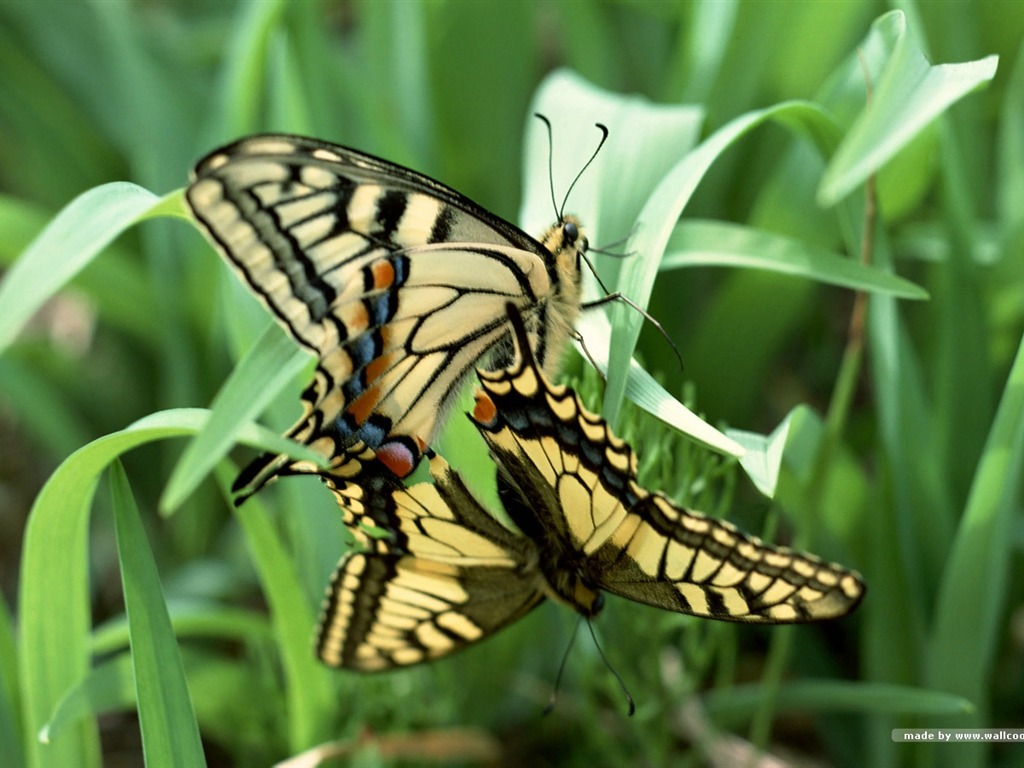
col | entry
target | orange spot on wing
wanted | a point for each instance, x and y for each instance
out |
(378, 366)
(383, 274)
(365, 404)
(485, 411)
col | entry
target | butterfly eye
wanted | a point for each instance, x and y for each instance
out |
(571, 232)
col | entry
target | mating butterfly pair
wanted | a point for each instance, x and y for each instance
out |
(401, 286)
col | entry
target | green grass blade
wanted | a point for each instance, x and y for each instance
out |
(739, 703)
(78, 233)
(54, 624)
(116, 283)
(308, 684)
(976, 575)
(910, 94)
(267, 368)
(170, 734)
(711, 243)
(10, 703)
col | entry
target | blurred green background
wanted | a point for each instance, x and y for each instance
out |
(897, 449)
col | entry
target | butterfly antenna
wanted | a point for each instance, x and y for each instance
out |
(561, 668)
(618, 678)
(604, 137)
(551, 162)
(560, 209)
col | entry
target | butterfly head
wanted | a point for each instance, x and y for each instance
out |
(567, 244)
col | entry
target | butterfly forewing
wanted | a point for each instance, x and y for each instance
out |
(397, 284)
(581, 500)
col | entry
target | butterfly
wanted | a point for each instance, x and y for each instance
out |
(394, 281)
(436, 572)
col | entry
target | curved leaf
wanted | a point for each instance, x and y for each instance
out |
(80, 231)
(712, 243)
(54, 623)
(663, 208)
(909, 95)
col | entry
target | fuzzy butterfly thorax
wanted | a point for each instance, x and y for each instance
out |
(394, 281)
(567, 243)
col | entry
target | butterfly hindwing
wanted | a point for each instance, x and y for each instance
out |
(397, 284)
(443, 575)
(577, 483)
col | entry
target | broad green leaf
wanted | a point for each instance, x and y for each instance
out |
(710, 243)
(662, 210)
(762, 455)
(909, 95)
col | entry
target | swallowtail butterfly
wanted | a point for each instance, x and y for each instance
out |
(438, 572)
